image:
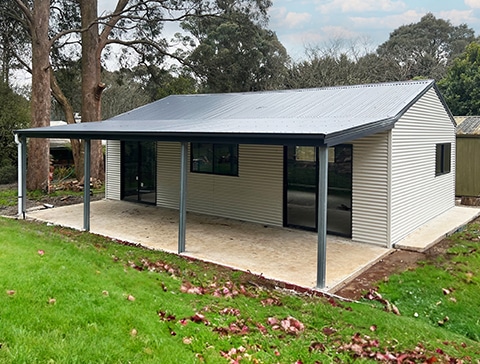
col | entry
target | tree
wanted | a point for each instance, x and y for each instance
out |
(336, 64)
(425, 48)
(135, 26)
(461, 86)
(36, 18)
(123, 93)
(235, 53)
(14, 114)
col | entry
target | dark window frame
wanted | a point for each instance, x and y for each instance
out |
(443, 157)
(216, 159)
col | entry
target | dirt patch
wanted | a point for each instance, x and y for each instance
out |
(48, 200)
(397, 262)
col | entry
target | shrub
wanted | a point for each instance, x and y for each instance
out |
(8, 174)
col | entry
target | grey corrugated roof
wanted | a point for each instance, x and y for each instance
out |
(311, 116)
(468, 125)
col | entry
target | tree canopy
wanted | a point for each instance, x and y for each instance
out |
(14, 114)
(235, 53)
(461, 86)
(426, 48)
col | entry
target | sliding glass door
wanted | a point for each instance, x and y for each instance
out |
(139, 171)
(301, 188)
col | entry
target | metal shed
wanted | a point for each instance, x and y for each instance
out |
(468, 156)
(398, 142)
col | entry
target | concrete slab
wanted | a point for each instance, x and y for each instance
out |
(439, 228)
(282, 254)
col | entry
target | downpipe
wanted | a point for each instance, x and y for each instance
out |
(20, 178)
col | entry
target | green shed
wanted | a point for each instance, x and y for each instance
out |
(467, 182)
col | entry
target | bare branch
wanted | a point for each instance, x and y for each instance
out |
(26, 11)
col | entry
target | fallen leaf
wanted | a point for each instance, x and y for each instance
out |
(187, 340)
(11, 292)
(41, 252)
(373, 328)
(105, 293)
(130, 298)
(133, 332)
(52, 301)
(328, 331)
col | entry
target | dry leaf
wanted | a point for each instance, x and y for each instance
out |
(130, 298)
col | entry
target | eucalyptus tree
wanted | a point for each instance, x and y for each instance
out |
(461, 85)
(426, 48)
(132, 33)
(13, 39)
(235, 52)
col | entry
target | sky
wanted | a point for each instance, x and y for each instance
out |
(302, 24)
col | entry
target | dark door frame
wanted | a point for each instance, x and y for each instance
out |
(139, 172)
(285, 193)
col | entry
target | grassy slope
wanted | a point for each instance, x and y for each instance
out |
(71, 304)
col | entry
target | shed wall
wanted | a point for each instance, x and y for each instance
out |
(417, 194)
(370, 189)
(113, 170)
(255, 195)
(468, 166)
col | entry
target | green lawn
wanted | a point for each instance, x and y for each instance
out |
(73, 297)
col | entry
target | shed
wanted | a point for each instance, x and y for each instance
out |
(468, 156)
(370, 162)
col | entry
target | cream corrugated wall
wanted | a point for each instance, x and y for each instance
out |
(256, 195)
(417, 195)
(113, 170)
(370, 189)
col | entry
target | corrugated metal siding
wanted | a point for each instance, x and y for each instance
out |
(418, 195)
(113, 170)
(168, 175)
(370, 189)
(256, 195)
(468, 166)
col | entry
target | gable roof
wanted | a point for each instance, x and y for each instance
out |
(322, 116)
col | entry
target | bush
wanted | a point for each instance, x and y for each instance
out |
(8, 174)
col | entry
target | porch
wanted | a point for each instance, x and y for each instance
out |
(282, 254)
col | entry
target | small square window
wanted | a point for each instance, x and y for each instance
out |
(214, 158)
(443, 157)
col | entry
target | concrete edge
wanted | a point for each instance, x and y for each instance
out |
(437, 240)
(359, 271)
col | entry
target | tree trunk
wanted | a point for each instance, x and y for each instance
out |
(38, 149)
(76, 144)
(92, 86)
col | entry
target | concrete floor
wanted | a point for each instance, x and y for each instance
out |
(282, 254)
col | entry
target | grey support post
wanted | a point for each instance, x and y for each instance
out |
(86, 186)
(322, 216)
(183, 198)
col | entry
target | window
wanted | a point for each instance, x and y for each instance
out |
(214, 158)
(442, 159)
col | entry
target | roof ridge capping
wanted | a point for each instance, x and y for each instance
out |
(367, 85)
(426, 82)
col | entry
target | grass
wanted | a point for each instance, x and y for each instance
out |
(445, 292)
(8, 197)
(74, 297)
